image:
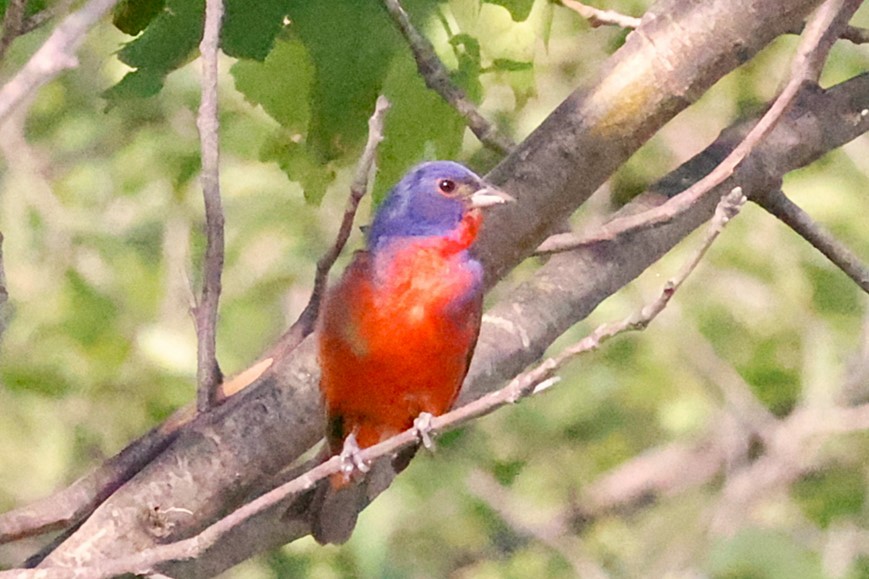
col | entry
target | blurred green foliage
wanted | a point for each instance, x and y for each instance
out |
(101, 212)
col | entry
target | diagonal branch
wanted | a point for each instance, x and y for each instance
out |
(208, 374)
(552, 172)
(779, 205)
(304, 325)
(526, 384)
(819, 36)
(437, 78)
(597, 17)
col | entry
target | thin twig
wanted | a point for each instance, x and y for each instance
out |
(779, 205)
(855, 34)
(208, 374)
(526, 384)
(437, 78)
(819, 36)
(54, 56)
(69, 506)
(304, 325)
(597, 17)
(727, 208)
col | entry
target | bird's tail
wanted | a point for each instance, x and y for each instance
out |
(337, 501)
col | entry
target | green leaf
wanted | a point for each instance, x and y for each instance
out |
(419, 125)
(281, 84)
(351, 56)
(250, 27)
(132, 16)
(165, 44)
(170, 38)
(136, 84)
(297, 161)
(467, 49)
(507, 65)
(519, 9)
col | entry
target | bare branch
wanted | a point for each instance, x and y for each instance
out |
(778, 204)
(551, 174)
(855, 34)
(531, 382)
(597, 17)
(820, 34)
(72, 504)
(304, 325)
(54, 56)
(437, 78)
(818, 38)
(208, 374)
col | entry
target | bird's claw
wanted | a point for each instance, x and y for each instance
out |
(422, 426)
(351, 459)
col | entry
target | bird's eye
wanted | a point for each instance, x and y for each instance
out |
(447, 186)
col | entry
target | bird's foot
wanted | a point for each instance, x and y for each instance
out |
(351, 459)
(422, 426)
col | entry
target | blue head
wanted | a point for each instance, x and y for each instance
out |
(431, 200)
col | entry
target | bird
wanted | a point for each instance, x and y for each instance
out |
(397, 332)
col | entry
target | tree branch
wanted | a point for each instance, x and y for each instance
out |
(778, 204)
(526, 384)
(597, 17)
(54, 56)
(208, 374)
(551, 173)
(304, 325)
(819, 36)
(437, 78)
(70, 505)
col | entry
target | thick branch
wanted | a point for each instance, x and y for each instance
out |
(254, 434)
(304, 325)
(516, 331)
(531, 382)
(819, 36)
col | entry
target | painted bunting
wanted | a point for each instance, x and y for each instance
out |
(396, 333)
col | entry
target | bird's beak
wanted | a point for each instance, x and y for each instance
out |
(488, 196)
